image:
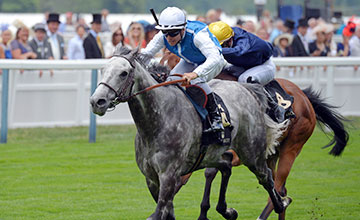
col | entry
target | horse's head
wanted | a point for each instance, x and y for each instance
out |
(118, 79)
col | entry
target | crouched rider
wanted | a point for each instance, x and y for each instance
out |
(250, 60)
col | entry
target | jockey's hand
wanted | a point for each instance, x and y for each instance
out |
(188, 77)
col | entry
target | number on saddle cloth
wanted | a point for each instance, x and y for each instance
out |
(278, 94)
(199, 99)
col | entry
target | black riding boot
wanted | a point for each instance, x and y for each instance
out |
(214, 113)
(275, 111)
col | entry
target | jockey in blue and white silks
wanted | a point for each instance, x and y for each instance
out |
(199, 50)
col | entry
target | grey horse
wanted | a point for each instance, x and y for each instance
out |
(169, 131)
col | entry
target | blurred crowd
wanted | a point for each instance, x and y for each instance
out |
(312, 37)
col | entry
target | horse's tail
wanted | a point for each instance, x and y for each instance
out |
(326, 115)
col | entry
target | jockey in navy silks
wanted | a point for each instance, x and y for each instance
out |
(249, 59)
(199, 50)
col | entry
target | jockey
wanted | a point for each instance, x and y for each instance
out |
(250, 60)
(199, 50)
(247, 51)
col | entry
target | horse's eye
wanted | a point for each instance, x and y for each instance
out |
(123, 74)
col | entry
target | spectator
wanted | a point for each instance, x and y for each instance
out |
(212, 16)
(266, 21)
(249, 26)
(75, 48)
(68, 26)
(201, 18)
(299, 46)
(239, 23)
(289, 26)
(20, 48)
(6, 36)
(82, 22)
(116, 39)
(56, 40)
(39, 45)
(354, 43)
(150, 32)
(310, 36)
(135, 36)
(329, 33)
(262, 34)
(104, 24)
(318, 47)
(2, 54)
(92, 43)
(343, 48)
(282, 43)
(278, 29)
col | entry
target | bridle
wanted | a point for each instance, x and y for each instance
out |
(129, 83)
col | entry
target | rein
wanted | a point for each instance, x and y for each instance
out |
(129, 83)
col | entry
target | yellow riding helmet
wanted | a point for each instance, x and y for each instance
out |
(221, 30)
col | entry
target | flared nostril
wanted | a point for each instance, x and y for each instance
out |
(101, 102)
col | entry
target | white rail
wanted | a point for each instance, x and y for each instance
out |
(71, 81)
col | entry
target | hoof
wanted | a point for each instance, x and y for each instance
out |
(286, 201)
(231, 214)
(279, 208)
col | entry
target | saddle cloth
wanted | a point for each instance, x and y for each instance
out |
(198, 98)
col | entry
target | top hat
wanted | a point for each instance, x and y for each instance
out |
(53, 17)
(39, 27)
(302, 22)
(289, 24)
(96, 19)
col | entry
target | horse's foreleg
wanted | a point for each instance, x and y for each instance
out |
(165, 208)
(153, 187)
(210, 174)
(225, 169)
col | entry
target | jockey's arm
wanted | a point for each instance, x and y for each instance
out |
(155, 45)
(214, 60)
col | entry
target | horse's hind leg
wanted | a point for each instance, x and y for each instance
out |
(264, 175)
(286, 160)
(225, 169)
(210, 174)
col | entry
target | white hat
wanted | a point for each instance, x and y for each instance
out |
(287, 36)
(171, 18)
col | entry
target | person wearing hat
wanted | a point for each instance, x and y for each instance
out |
(56, 40)
(289, 26)
(92, 44)
(354, 42)
(319, 47)
(39, 44)
(281, 45)
(199, 50)
(249, 59)
(300, 46)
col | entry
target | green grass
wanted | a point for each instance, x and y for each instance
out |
(54, 173)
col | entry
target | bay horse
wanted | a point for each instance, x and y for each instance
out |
(169, 131)
(309, 109)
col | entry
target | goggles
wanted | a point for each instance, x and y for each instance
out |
(171, 33)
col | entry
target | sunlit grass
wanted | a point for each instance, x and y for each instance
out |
(54, 173)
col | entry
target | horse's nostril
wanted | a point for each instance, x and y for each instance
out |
(101, 102)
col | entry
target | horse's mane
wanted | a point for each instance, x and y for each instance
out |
(158, 72)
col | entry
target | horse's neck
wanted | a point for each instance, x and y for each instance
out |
(148, 109)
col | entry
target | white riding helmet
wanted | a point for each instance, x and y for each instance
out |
(172, 18)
